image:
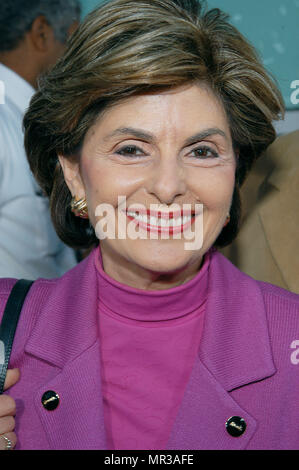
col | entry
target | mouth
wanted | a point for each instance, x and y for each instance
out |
(162, 222)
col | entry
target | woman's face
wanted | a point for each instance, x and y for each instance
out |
(167, 149)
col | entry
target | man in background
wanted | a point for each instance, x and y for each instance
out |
(33, 35)
(267, 246)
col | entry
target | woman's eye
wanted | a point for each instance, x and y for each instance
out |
(130, 150)
(204, 152)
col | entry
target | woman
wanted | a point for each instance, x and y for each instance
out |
(141, 137)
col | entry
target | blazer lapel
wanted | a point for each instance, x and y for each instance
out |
(78, 421)
(206, 407)
(234, 351)
(65, 336)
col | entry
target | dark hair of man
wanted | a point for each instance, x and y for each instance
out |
(17, 16)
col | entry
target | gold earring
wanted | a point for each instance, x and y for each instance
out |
(227, 220)
(79, 207)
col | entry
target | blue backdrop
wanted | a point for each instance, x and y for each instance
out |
(273, 27)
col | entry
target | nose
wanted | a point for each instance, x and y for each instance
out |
(167, 180)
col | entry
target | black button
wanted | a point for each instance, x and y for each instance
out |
(235, 426)
(50, 400)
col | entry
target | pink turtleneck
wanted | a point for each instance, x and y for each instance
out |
(149, 342)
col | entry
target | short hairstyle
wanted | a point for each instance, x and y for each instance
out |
(17, 16)
(125, 48)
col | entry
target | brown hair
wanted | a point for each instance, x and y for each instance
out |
(127, 47)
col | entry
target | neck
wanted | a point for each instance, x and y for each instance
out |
(131, 274)
(18, 61)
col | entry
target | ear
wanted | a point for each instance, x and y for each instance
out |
(41, 34)
(71, 171)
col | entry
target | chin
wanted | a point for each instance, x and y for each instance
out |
(163, 263)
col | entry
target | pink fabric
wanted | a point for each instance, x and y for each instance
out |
(247, 365)
(149, 342)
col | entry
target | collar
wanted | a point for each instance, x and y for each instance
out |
(235, 344)
(152, 305)
(17, 90)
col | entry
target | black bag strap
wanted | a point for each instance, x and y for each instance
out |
(9, 324)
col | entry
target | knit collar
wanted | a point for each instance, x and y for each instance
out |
(152, 305)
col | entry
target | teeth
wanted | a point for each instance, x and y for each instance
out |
(159, 222)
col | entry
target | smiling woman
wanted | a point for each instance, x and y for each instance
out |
(165, 156)
(112, 60)
(147, 127)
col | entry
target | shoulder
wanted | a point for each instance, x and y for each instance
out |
(259, 303)
(38, 292)
(275, 298)
(286, 143)
(270, 290)
(5, 119)
(288, 146)
(280, 304)
(8, 132)
(51, 292)
(2, 136)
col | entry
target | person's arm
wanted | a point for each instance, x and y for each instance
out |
(2, 152)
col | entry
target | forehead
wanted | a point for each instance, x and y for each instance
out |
(179, 110)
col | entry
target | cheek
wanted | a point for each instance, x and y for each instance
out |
(214, 187)
(103, 184)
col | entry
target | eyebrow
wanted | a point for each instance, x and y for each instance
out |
(204, 134)
(142, 135)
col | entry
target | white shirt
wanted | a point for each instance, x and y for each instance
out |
(29, 246)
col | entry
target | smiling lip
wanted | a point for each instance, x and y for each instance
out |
(160, 214)
(171, 230)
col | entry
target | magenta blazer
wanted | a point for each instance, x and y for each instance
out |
(247, 366)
